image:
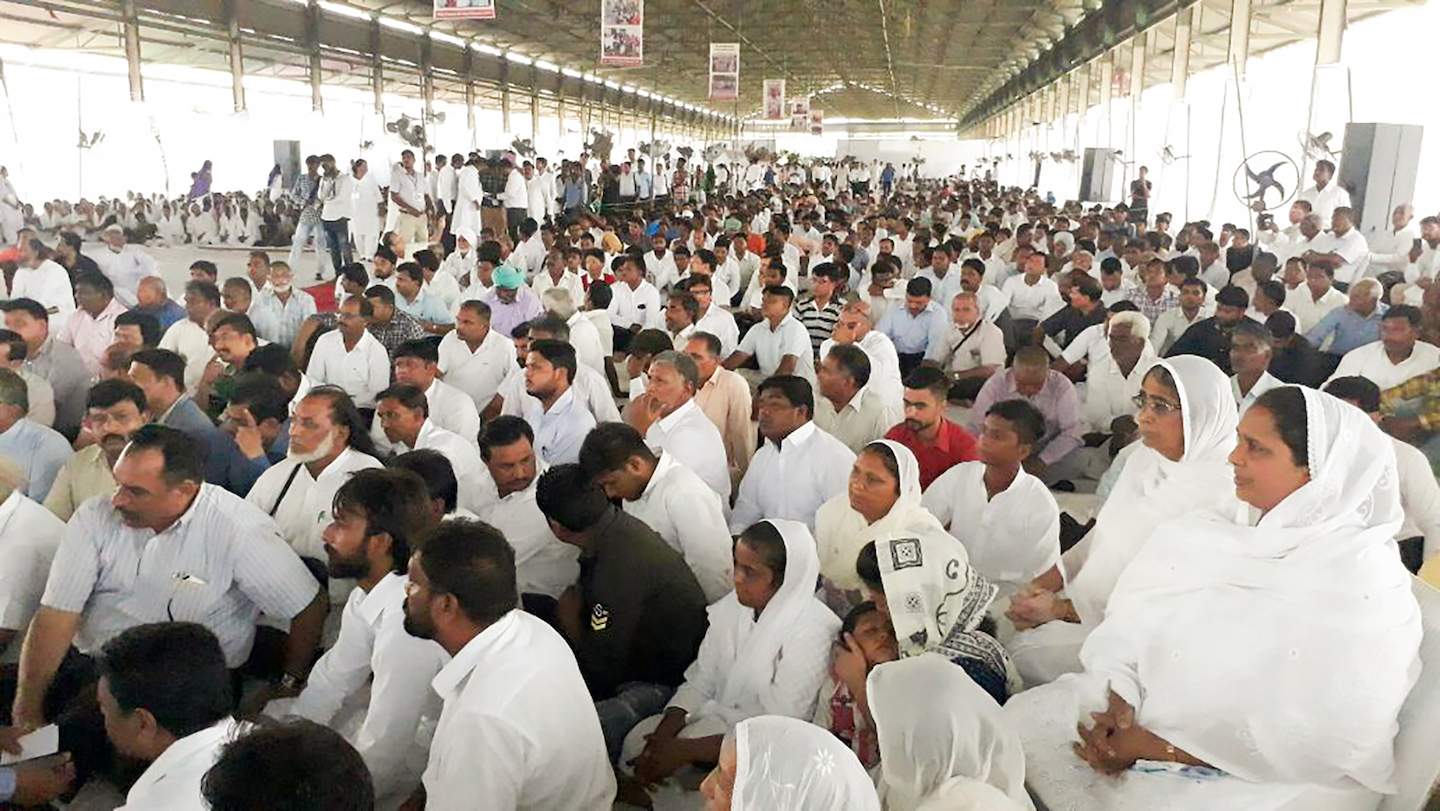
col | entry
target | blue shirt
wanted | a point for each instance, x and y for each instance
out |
(914, 334)
(167, 314)
(280, 321)
(425, 307)
(1350, 329)
(644, 182)
(38, 452)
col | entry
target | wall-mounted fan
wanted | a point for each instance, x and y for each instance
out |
(523, 147)
(408, 130)
(599, 144)
(1168, 156)
(1317, 146)
(90, 141)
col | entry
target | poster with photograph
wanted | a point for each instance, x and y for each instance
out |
(774, 99)
(800, 113)
(724, 71)
(817, 121)
(464, 9)
(622, 33)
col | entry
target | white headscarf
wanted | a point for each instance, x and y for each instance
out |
(793, 604)
(1152, 489)
(943, 741)
(785, 764)
(1279, 650)
(841, 532)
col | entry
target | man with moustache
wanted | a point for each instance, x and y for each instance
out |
(114, 411)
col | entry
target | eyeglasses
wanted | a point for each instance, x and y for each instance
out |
(1160, 407)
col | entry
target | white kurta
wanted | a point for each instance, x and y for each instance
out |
(172, 781)
(687, 514)
(543, 563)
(477, 372)
(1011, 538)
(688, 435)
(305, 510)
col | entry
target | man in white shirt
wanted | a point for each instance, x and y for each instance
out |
(972, 349)
(1250, 355)
(417, 364)
(799, 467)
(1116, 375)
(857, 326)
(1343, 249)
(847, 409)
(45, 281)
(635, 304)
(408, 196)
(350, 357)
(545, 567)
(378, 518)
(32, 535)
(515, 198)
(125, 264)
(1390, 249)
(714, 318)
(1399, 354)
(337, 206)
(557, 275)
(1424, 261)
(403, 414)
(559, 419)
(1326, 195)
(671, 421)
(1314, 300)
(1033, 296)
(666, 495)
(165, 694)
(518, 728)
(1172, 323)
(779, 343)
(473, 357)
(592, 391)
(589, 349)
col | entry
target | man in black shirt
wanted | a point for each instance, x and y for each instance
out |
(1210, 337)
(636, 617)
(1295, 360)
(1083, 311)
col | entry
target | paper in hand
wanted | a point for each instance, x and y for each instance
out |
(40, 743)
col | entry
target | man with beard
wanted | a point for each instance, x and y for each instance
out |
(114, 411)
(378, 516)
(328, 442)
(938, 443)
(518, 727)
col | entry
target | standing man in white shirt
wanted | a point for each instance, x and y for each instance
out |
(668, 496)
(165, 694)
(515, 198)
(379, 516)
(350, 357)
(407, 193)
(518, 728)
(337, 204)
(1326, 195)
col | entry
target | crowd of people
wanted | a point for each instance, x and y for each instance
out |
(748, 487)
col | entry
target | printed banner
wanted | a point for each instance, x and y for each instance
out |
(622, 33)
(724, 71)
(775, 99)
(817, 121)
(464, 9)
(800, 113)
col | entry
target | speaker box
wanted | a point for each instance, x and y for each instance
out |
(1097, 175)
(287, 156)
(1378, 166)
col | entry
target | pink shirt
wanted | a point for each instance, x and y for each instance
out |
(91, 336)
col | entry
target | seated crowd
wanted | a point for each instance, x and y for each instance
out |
(758, 497)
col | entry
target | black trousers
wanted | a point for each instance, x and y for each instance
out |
(909, 362)
(966, 389)
(513, 218)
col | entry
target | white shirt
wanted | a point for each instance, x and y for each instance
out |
(591, 389)
(589, 350)
(305, 511)
(220, 564)
(471, 475)
(450, 409)
(792, 480)
(342, 205)
(29, 536)
(601, 320)
(1035, 302)
(459, 264)
(770, 345)
(172, 781)
(1108, 391)
(1170, 325)
(884, 366)
(683, 510)
(191, 342)
(1307, 311)
(1390, 249)
(569, 280)
(407, 186)
(519, 729)
(516, 194)
(1012, 538)
(1266, 382)
(48, 284)
(374, 663)
(477, 373)
(693, 440)
(559, 430)
(125, 269)
(1352, 247)
(543, 563)
(1419, 497)
(719, 322)
(1371, 362)
(1324, 201)
(640, 305)
(362, 372)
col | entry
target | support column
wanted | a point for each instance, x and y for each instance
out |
(377, 68)
(1083, 105)
(1332, 31)
(560, 107)
(1180, 63)
(427, 83)
(132, 49)
(1107, 92)
(534, 110)
(504, 94)
(1065, 83)
(312, 47)
(1239, 51)
(237, 56)
(469, 68)
(1137, 65)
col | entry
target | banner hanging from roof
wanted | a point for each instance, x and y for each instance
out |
(464, 9)
(817, 121)
(774, 99)
(622, 33)
(724, 71)
(800, 113)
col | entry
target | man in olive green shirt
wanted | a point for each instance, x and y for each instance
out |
(114, 410)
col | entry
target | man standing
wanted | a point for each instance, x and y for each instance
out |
(515, 198)
(408, 196)
(938, 443)
(308, 228)
(518, 726)
(337, 190)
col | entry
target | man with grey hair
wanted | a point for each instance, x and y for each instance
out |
(1250, 354)
(560, 302)
(670, 420)
(1344, 248)
(857, 326)
(1354, 325)
(1114, 380)
(38, 452)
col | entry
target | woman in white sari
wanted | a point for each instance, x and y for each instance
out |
(1187, 418)
(883, 499)
(773, 763)
(766, 653)
(1254, 658)
(944, 744)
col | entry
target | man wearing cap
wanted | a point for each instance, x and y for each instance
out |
(125, 264)
(511, 301)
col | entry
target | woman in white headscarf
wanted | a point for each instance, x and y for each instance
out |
(944, 744)
(1187, 418)
(1255, 657)
(883, 498)
(773, 763)
(765, 653)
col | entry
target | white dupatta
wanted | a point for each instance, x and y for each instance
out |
(841, 532)
(1280, 649)
(789, 764)
(944, 742)
(1153, 489)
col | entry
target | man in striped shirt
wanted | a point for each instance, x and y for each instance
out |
(819, 310)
